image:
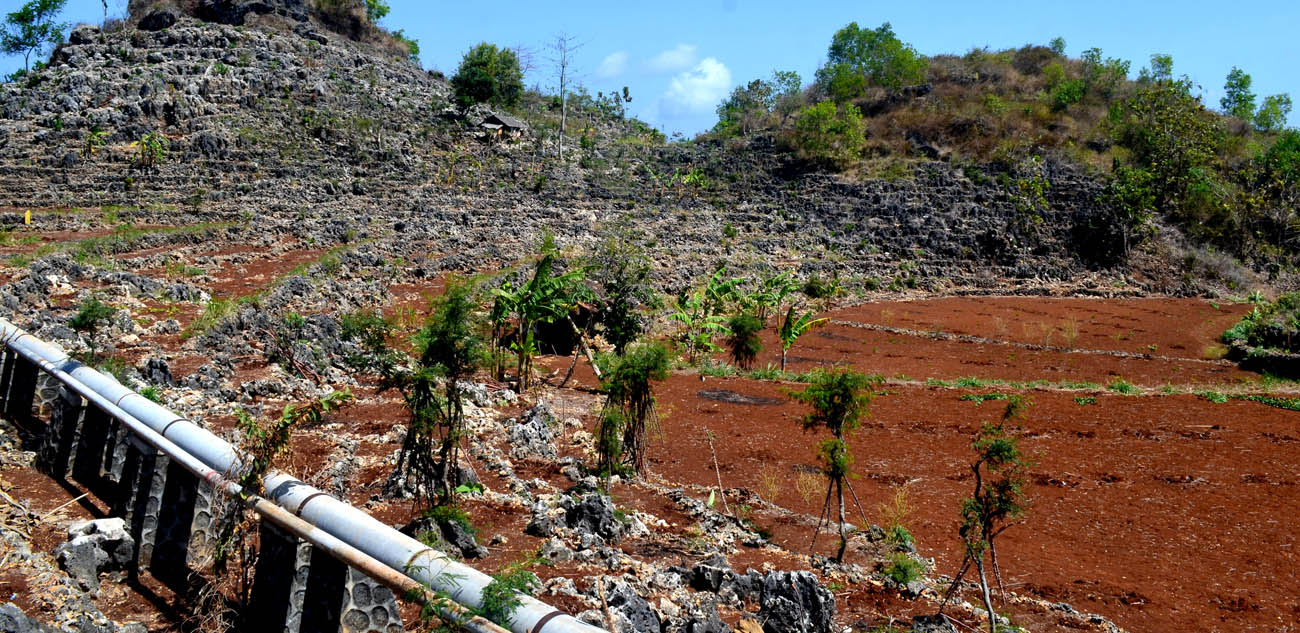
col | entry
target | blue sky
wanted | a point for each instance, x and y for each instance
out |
(679, 59)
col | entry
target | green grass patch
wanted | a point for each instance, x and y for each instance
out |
(1289, 404)
(978, 398)
(1124, 387)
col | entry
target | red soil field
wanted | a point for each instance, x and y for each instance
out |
(1165, 513)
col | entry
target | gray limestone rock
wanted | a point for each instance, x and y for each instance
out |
(531, 435)
(794, 602)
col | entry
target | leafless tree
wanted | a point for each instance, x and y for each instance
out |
(561, 51)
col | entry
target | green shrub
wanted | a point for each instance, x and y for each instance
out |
(452, 514)
(899, 535)
(151, 149)
(91, 315)
(818, 288)
(1270, 326)
(502, 596)
(1124, 387)
(829, 134)
(1066, 94)
(902, 569)
(629, 412)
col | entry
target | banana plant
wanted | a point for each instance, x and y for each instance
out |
(546, 298)
(793, 327)
(698, 325)
(771, 293)
(719, 292)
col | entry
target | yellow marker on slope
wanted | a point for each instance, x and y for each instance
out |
(27, 218)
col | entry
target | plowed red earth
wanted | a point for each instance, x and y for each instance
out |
(1165, 513)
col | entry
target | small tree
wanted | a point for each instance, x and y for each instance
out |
(488, 74)
(90, 316)
(562, 49)
(1237, 99)
(744, 341)
(1057, 45)
(629, 411)
(376, 10)
(839, 400)
(621, 270)
(449, 353)
(698, 325)
(792, 327)
(264, 444)
(31, 28)
(1272, 114)
(1100, 77)
(998, 502)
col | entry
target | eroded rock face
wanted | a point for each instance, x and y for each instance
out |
(236, 11)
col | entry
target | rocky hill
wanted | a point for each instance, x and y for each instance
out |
(290, 119)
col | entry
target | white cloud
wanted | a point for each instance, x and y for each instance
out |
(698, 89)
(672, 60)
(613, 66)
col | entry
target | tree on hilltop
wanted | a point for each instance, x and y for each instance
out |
(876, 56)
(489, 74)
(1237, 99)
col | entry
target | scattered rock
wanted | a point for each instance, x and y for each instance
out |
(555, 551)
(625, 601)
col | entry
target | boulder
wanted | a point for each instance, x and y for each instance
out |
(531, 435)
(711, 573)
(158, 19)
(460, 536)
(93, 547)
(794, 602)
(156, 371)
(545, 521)
(640, 618)
(13, 620)
(594, 514)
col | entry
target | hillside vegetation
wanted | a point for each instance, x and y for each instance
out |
(1227, 179)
